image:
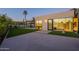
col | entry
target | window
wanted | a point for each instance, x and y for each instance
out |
(58, 24)
(39, 24)
(50, 24)
(65, 24)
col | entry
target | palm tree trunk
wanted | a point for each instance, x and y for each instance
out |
(25, 22)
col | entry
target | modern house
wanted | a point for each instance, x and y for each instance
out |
(28, 23)
(63, 21)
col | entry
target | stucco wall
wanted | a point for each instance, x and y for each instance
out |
(44, 24)
(69, 13)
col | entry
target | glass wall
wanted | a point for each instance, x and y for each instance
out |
(50, 24)
(39, 24)
(58, 24)
(68, 26)
(65, 24)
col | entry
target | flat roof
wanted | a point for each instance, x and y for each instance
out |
(69, 13)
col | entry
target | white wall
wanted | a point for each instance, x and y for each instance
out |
(44, 25)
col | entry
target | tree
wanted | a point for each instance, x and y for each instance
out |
(76, 12)
(34, 21)
(4, 22)
(78, 18)
(25, 14)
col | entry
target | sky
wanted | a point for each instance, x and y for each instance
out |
(17, 13)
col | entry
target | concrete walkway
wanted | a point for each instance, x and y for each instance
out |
(40, 41)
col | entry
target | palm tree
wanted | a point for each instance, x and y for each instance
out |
(25, 14)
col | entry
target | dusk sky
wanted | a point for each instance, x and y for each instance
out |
(17, 13)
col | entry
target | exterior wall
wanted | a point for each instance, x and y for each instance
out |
(44, 25)
(45, 18)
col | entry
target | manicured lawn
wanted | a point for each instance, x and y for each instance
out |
(69, 34)
(19, 31)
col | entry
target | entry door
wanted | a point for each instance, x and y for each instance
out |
(50, 24)
(39, 28)
(39, 25)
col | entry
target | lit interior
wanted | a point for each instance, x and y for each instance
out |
(45, 21)
(75, 24)
(61, 24)
(39, 24)
(65, 24)
(50, 24)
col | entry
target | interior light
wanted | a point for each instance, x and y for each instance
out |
(45, 21)
(40, 21)
(36, 21)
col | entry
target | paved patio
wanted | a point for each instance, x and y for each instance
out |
(40, 41)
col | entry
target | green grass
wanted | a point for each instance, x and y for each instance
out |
(69, 34)
(19, 31)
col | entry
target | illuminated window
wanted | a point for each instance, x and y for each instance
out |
(50, 24)
(39, 24)
(39, 21)
(65, 24)
(36, 21)
(68, 24)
